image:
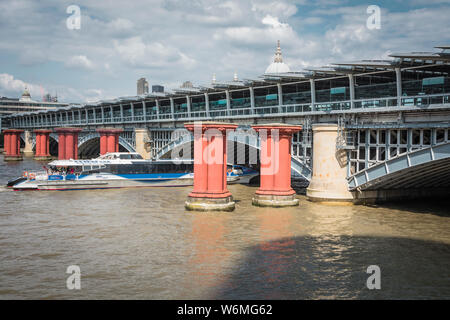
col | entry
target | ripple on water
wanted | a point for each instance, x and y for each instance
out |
(141, 243)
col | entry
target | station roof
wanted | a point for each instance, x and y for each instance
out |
(438, 60)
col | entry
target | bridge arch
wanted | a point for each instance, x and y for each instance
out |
(89, 145)
(424, 168)
(241, 140)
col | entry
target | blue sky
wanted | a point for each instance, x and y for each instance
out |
(171, 41)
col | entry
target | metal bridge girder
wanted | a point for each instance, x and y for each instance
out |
(383, 171)
(246, 139)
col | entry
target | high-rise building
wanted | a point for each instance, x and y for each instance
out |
(157, 88)
(142, 86)
(187, 84)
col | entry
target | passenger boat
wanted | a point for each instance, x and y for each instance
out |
(118, 170)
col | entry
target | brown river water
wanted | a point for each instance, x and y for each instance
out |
(142, 244)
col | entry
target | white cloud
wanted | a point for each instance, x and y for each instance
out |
(80, 62)
(136, 53)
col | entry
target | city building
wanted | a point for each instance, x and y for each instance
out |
(187, 84)
(157, 88)
(142, 87)
(25, 103)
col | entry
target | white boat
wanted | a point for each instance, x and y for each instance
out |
(118, 170)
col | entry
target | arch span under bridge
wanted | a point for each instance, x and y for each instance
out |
(298, 167)
(423, 168)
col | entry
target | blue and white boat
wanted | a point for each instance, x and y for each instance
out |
(118, 170)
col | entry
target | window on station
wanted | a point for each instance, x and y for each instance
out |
(138, 109)
(265, 97)
(425, 81)
(217, 101)
(164, 106)
(150, 107)
(377, 85)
(240, 99)
(331, 90)
(297, 93)
(198, 103)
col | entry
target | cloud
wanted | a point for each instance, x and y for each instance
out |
(136, 53)
(170, 41)
(80, 62)
(11, 87)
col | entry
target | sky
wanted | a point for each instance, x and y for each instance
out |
(172, 41)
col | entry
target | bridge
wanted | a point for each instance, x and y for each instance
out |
(385, 113)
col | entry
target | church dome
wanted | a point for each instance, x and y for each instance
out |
(278, 66)
(26, 96)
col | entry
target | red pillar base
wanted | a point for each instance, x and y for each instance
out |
(209, 204)
(276, 201)
(42, 158)
(13, 158)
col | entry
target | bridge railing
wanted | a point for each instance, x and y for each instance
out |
(419, 101)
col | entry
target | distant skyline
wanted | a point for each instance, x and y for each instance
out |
(172, 41)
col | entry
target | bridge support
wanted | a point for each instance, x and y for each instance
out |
(275, 187)
(67, 143)
(210, 167)
(42, 144)
(328, 182)
(109, 140)
(142, 142)
(28, 149)
(12, 144)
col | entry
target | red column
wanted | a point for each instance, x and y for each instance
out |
(38, 145)
(109, 140)
(12, 144)
(68, 143)
(61, 145)
(210, 167)
(6, 142)
(42, 144)
(275, 174)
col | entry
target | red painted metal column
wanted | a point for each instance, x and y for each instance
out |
(38, 144)
(68, 143)
(275, 175)
(109, 140)
(210, 167)
(6, 142)
(61, 145)
(42, 144)
(12, 145)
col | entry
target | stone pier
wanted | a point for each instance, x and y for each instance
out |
(328, 182)
(28, 149)
(142, 142)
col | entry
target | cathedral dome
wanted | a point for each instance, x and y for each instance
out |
(278, 66)
(26, 96)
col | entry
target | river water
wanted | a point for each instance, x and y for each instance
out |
(142, 244)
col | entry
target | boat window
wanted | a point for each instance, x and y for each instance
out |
(125, 156)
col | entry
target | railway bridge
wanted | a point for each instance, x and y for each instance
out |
(371, 129)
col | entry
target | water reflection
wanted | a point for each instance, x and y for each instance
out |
(142, 244)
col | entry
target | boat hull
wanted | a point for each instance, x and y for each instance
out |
(106, 181)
